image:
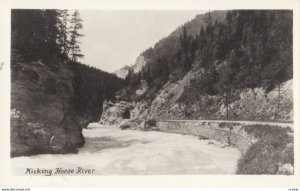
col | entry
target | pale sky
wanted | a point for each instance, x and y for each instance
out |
(114, 39)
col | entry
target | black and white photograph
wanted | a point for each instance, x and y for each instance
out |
(112, 92)
(214, 96)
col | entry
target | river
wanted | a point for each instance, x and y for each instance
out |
(111, 151)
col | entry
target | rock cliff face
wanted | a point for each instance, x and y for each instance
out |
(115, 113)
(250, 104)
(261, 105)
(42, 113)
(166, 105)
(139, 64)
(123, 72)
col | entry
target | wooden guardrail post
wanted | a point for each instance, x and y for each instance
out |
(229, 136)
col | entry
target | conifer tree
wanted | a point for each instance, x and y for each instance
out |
(51, 18)
(63, 28)
(76, 25)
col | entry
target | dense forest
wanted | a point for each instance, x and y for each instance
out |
(92, 86)
(42, 34)
(246, 49)
(53, 37)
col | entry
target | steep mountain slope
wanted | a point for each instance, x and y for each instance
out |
(171, 43)
(216, 65)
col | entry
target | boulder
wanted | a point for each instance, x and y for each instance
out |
(286, 169)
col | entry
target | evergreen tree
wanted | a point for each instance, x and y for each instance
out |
(76, 25)
(51, 27)
(184, 39)
(202, 39)
(63, 28)
(35, 33)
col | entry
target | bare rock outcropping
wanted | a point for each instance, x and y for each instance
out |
(261, 105)
(116, 113)
(256, 104)
(123, 72)
(139, 64)
(42, 113)
(250, 104)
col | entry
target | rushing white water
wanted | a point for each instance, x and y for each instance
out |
(109, 150)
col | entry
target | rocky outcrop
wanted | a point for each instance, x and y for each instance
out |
(250, 104)
(115, 113)
(139, 64)
(142, 89)
(259, 105)
(165, 105)
(42, 113)
(123, 72)
(286, 169)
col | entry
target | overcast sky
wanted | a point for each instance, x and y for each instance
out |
(114, 39)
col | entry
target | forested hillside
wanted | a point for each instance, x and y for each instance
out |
(235, 49)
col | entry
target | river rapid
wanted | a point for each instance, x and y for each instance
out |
(111, 151)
